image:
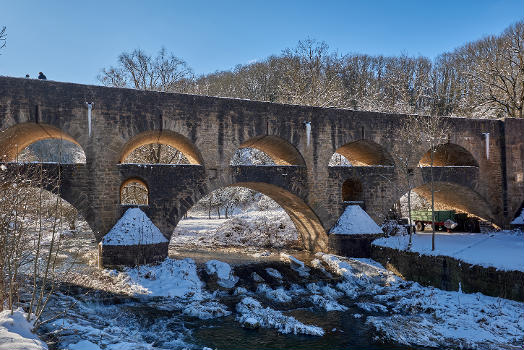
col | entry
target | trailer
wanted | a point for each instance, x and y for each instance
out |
(465, 223)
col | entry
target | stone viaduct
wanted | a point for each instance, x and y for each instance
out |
(484, 180)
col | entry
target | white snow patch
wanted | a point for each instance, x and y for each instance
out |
(171, 278)
(327, 303)
(250, 309)
(503, 250)
(207, 310)
(519, 220)
(15, 332)
(84, 345)
(273, 273)
(354, 220)
(223, 271)
(134, 228)
(296, 264)
(278, 295)
(256, 277)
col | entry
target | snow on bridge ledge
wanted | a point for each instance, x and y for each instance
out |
(134, 228)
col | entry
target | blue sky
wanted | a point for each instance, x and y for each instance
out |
(72, 40)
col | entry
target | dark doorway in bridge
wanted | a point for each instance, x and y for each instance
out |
(31, 142)
(449, 154)
(352, 191)
(267, 150)
(160, 147)
(134, 192)
(452, 201)
(361, 153)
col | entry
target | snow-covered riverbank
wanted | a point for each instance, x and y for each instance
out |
(270, 295)
(503, 250)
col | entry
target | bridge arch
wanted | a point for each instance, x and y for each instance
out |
(364, 153)
(134, 191)
(449, 154)
(279, 150)
(307, 223)
(449, 195)
(16, 138)
(166, 137)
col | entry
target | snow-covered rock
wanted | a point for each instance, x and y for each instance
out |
(354, 220)
(279, 294)
(296, 264)
(250, 310)
(171, 278)
(134, 228)
(273, 273)
(206, 310)
(223, 273)
(84, 345)
(15, 332)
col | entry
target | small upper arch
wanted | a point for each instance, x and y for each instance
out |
(166, 137)
(278, 149)
(363, 153)
(449, 154)
(16, 138)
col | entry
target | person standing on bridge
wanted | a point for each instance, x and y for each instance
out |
(42, 76)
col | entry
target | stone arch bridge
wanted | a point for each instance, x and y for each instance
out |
(483, 179)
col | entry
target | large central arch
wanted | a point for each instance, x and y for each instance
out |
(306, 221)
(16, 138)
(450, 195)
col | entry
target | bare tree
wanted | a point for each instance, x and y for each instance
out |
(412, 133)
(311, 75)
(138, 70)
(156, 153)
(434, 132)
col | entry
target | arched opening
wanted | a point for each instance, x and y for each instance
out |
(449, 154)
(267, 150)
(361, 153)
(252, 215)
(134, 192)
(160, 147)
(352, 191)
(30, 142)
(251, 156)
(458, 203)
(33, 218)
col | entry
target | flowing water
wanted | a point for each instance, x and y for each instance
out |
(160, 323)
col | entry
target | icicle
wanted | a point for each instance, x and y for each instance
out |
(486, 135)
(89, 109)
(308, 132)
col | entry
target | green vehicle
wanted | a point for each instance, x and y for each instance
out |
(421, 218)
